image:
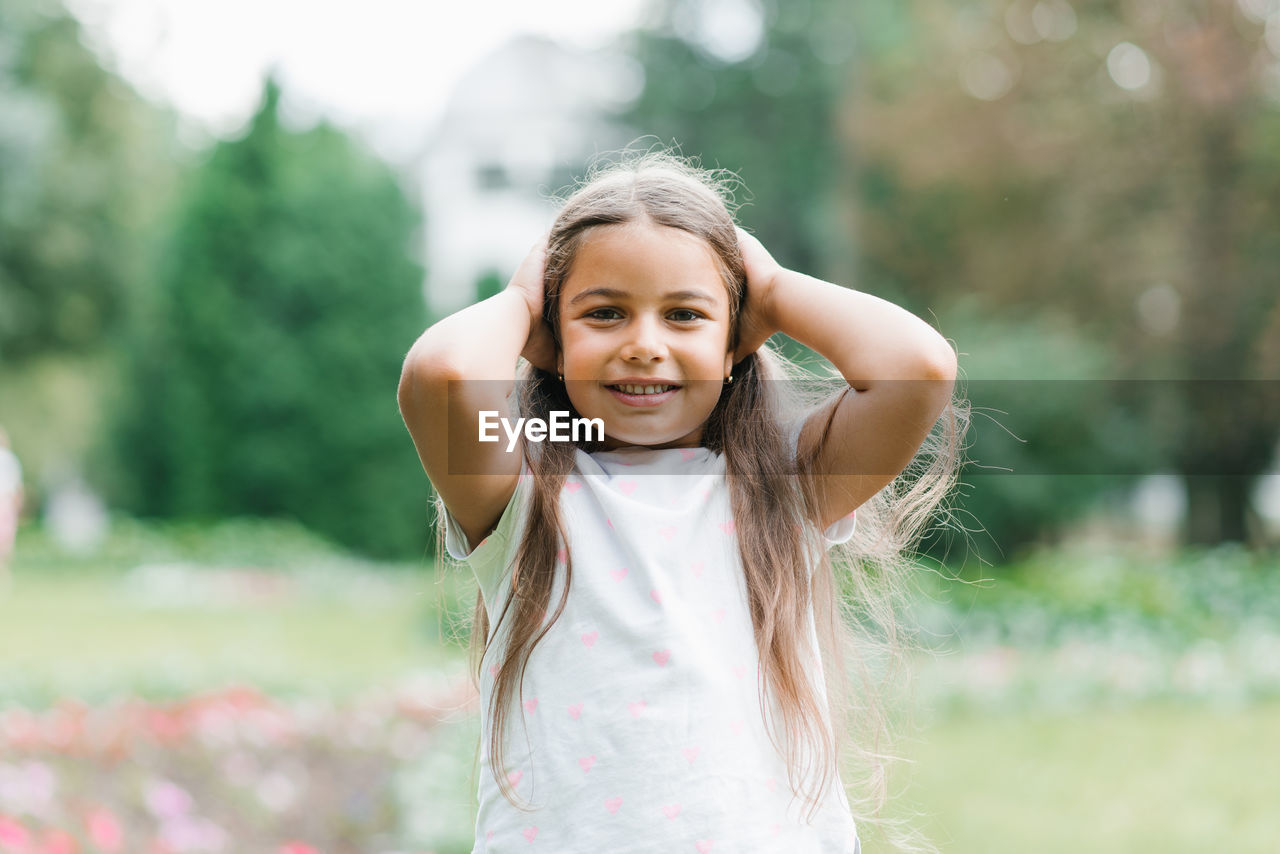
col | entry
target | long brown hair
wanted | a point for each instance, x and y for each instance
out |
(854, 609)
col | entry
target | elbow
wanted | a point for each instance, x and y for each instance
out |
(942, 365)
(939, 369)
(937, 357)
(405, 391)
(424, 373)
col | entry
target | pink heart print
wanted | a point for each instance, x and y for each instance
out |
(562, 555)
(530, 705)
(668, 532)
(488, 837)
(727, 527)
(662, 656)
(636, 708)
(586, 762)
(718, 614)
(628, 486)
(612, 804)
(687, 454)
(738, 670)
(493, 670)
(704, 845)
(771, 783)
(530, 833)
(618, 574)
(691, 753)
(589, 638)
(571, 487)
(514, 777)
(671, 810)
(575, 710)
(657, 597)
(697, 566)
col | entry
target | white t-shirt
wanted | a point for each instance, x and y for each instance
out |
(642, 729)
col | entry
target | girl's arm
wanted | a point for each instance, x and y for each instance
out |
(458, 367)
(901, 372)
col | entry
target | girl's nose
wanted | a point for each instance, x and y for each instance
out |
(646, 341)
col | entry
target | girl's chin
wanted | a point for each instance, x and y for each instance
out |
(664, 439)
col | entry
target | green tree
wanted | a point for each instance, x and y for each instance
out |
(85, 165)
(1100, 158)
(261, 377)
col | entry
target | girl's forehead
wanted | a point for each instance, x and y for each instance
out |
(641, 251)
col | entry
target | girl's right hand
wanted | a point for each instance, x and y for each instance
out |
(540, 348)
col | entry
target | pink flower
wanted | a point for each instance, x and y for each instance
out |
(104, 829)
(13, 836)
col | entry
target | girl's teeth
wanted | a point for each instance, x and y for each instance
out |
(644, 389)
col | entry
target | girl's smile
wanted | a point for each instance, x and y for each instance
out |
(639, 393)
(644, 331)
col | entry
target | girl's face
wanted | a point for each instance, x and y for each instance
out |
(645, 305)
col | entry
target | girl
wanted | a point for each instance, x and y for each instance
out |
(666, 669)
(10, 507)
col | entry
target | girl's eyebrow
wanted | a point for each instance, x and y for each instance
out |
(614, 293)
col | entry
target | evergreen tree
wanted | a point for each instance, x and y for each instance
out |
(261, 378)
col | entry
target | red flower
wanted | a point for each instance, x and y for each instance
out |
(297, 848)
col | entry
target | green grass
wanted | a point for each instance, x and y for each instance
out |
(87, 636)
(1165, 779)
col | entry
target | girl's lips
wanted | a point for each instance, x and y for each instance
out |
(643, 399)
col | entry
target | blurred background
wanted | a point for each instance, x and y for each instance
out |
(222, 623)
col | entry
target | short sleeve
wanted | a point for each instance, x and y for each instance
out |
(489, 558)
(842, 529)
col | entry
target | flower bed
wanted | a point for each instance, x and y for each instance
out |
(228, 771)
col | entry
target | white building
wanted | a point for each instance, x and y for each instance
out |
(518, 129)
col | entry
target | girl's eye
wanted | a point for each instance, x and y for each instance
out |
(681, 315)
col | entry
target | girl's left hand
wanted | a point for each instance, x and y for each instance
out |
(756, 324)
